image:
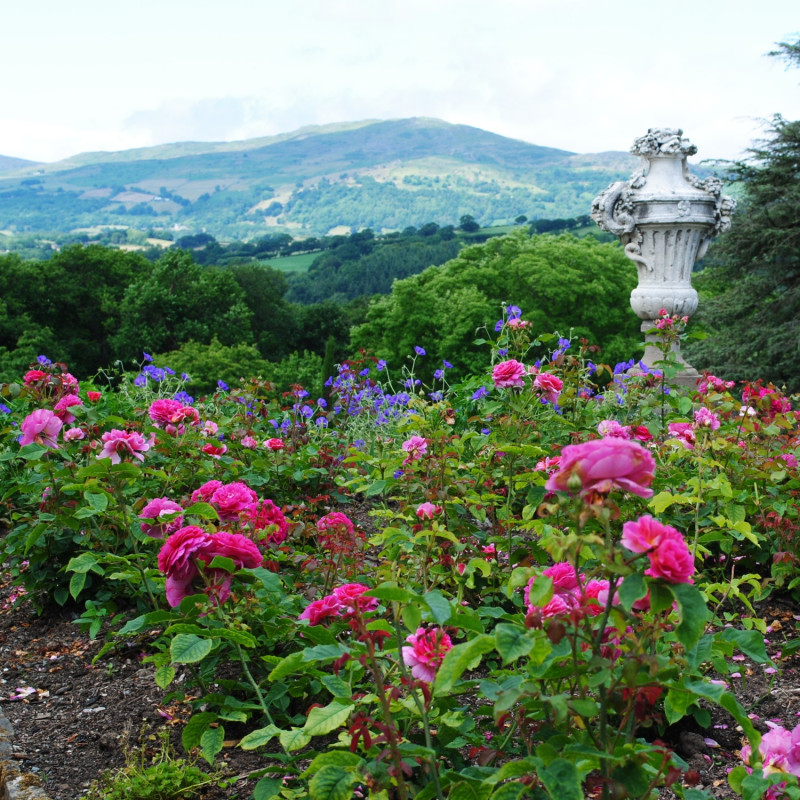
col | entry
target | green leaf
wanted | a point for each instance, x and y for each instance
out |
(337, 758)
(287, 666)
(32, 451)
(513, 641)
(189, 649)
(164, 675)
(322, 720)
(392, 593)
(76, 584)
(509, 791)
(294, 739)
(267, 788)
(230, 634)
(85, 562)
(633, 588)
(211, 743)
(470, 790)
(97, 500)
(461, 657)
(562, 781)
(224, 563)
(377, 487)
(694, 614)
(332, 783)
(440, 607)
(195, 728)
(751, 643)
(663, 500)
(259, 738)
(336, 686)
(202, 510)
(412, 616)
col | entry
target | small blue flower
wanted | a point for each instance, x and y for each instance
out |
(322, 402)
(140, 380)
(498, 326)
(419, 350)
(223, 386)
(381, 365)
(147, 356)
(592, 368)
(307, 411)
(439, 374)
(486, 431)
(398, 474)
(185, 378)
(435, 396)
(184, 397)
(514, 312)
(169, 371)
(44, 361)
(286, 424)
(482, 392)
(301, 393)
(564, 344)
(4, 408)
(359, 444)
(321, 422)
(364, 372)
(502, 351)
(447, 364)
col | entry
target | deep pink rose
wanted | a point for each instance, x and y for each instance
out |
(117, 443)
(94, 396)
(595, 596)
(178, 560)
(74, 434)
(426, 651)
(351, 597)
(563, 576)
(604, 464)
(205, 492)
(157, 510)
(319, 610)
(274, 444)
(249, 442)
(550, 385)
(336, 519)
(684, 432)
(790, 459)
(671, 560)
(231, 499)
(610, 427)
(509, 374)
(240, 549)
(268, 521)
(34, 376)
(416, 447)
(63, 405)
(215, 450)
(642, 433)
(163, 410)
(40, 427)
(645, 534)
(428, 510)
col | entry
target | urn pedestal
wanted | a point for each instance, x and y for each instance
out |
(665, 218)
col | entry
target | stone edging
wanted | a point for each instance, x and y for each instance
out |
(15, 785)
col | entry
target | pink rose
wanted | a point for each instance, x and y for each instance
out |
(215, 450)
(642, 433)
(117, 443)
(550, 385)
(684, 432)
(671, 560)
(644, 534)
(205, 492)
(249, 442)
(274, 444)
(604, 464)
(703, 418)
(610, 427)
(74, 434)
(548, 464)
(240, 549)
(426, 651)
(790, 459)
(335, 520)
(563, 576)
(178, 558)
(210, 428)
(93, 396)
(416, 447)
(163, 410)
(509, 374)
(319, 610)
(268, 521)
(428, 510)
(351, 597)
(40, 427)
(34, 376)
(158, 510)
(231, 499)
(63, 405)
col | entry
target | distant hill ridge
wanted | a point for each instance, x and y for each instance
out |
(378, 174)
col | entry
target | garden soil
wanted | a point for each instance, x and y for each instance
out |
(74, 719)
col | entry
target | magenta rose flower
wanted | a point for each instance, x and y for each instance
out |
(610, 427)
(40, 427)
(428, 510)
(550, 386)
(178, 560)
(240, 549)
(322, 609)
(426, 651)
(205, 492)
(163, 410)
(605, 464)
(274, 444)
(644, 534)
(351, 597)
(74, 434)
(231, 499)
(671, 560)
(684, 432)
(416, 447)
(334, 520)
(64, 404)
(268, 521)
(117, 443)
(508, 374)
(158, 510)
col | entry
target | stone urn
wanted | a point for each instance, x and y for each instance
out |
(665, 218)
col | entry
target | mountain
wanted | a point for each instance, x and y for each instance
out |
(10, 164)
(384, 175)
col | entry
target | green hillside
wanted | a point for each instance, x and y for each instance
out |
(382, 175)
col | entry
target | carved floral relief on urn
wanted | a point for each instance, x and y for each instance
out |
(665, 218)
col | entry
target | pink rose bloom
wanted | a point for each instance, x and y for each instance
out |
(426, 651)
(416, 447)
(69, 383)
(34, 376)
(240, 549)
(509, 374)
(233, 498)
(684, 432)
(274, 444)
(604, 464)
(63, 405)
(157, 510)
(249, 442)
(178, 558)
(642, 433)
(268, 522)
(548, 464)
(40, 427)
(516, 322)
(164, 410)
(205, 492)
(703, 418)
(335, 520)
(645, 534)
(117, 443)
(563, 576)
(351, 597)
(595, 596)
(215, 450)
(74, 434)
(780, 752)
(428, 510)
(319, 610)
(610, 427)
(210, 428)
(790, 459)
(94, 396)
(550, 385)
(671, 560)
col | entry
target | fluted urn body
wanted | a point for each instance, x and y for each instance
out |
(665, 217)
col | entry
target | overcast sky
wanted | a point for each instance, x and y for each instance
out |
(582, 75)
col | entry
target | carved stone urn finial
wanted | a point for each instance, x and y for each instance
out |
(665, 218)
